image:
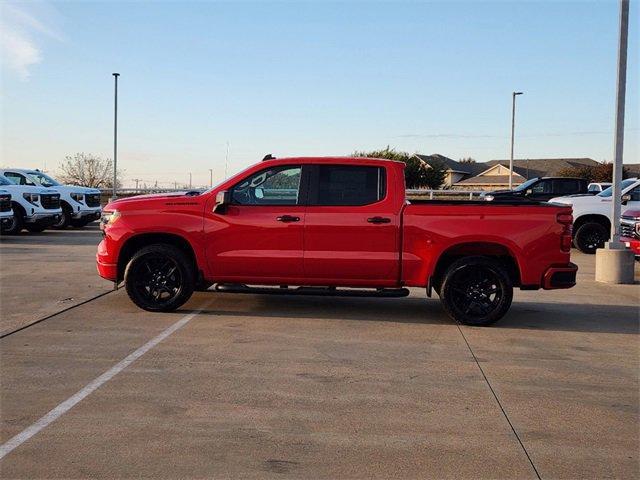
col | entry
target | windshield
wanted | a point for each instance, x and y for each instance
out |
(625, 183)
(43, 179)
(525, 185)
(4, 181)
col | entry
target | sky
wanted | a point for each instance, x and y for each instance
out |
(308, 78)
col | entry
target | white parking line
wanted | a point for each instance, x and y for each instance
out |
(69, 403)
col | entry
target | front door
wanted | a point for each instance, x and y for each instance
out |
(259, 236)
(351, 227)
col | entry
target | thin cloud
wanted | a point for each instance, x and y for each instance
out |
(20, 30)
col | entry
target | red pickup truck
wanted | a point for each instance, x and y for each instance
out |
(313, 225)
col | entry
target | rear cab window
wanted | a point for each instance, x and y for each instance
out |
(347, 185)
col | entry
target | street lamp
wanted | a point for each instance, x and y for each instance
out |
(115, 134)
(513, 127)
(210, 177)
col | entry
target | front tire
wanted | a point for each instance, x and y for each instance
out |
(590, 236)
(476, 291)
(159, 278)
(36, 228)
(65, 218)
(16, 225)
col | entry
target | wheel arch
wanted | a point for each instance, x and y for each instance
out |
(591, 217)
(136, 242)
(18, 208)
(495, 250)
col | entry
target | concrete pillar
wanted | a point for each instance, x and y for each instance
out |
(614, 265)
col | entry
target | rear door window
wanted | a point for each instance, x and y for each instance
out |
(348, 185)
(564, 187)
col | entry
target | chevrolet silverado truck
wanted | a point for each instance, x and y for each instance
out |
(34, 208)
(80, 205)
(630, 230)
(313, 226)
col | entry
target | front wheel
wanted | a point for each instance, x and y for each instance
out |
(159, 278)
(16, 224)
(35, 228)
(476, 291)
(65, 218)
(591, 236)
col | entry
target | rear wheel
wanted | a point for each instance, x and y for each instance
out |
(590, 236)
(159, 278)
(476, 291)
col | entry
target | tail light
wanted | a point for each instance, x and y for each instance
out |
(566, 220)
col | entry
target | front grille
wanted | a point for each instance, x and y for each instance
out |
(5, 203)
(93, 199)
(627, 229)
(50, 201)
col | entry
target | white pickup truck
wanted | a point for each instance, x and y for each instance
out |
(6, 212)
(34, 208)
(80, 205)
(592, 214)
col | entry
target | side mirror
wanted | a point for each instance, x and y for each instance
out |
(223, 198)
(528, 192)
(625, 199)
(259, 193)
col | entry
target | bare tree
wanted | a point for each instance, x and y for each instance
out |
(89, 170)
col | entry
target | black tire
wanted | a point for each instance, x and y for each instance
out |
(17, 224)
(65, 218)
(591, 236)
(476, 291)
(159, 278)
(36, 228)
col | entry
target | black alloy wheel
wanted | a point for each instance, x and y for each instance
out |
(159, 278)
(591, 236)
(476, 291)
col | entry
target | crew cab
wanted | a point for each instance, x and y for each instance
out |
(541, 189)
(34, 208)
(630, 230)
(319, 224)
(80, 205)
(6, 212)
(592, 214)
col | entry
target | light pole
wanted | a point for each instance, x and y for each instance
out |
(226, 162)
(210, 177)
(614, 262)
(189, 180)
(115, 134)
(513, 128)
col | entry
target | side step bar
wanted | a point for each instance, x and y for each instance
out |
(319, 291)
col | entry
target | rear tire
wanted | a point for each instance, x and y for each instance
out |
(476, 291)
(65, 218)
(590, 236)
(159, 278)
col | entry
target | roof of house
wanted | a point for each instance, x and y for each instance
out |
(492, 180)
(451, 164)
(544, 167)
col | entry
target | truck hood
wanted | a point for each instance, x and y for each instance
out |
(74, 189)
(170, 196)
(29, 189)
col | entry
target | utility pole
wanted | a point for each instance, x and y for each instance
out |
(136, 180)
(226, 162)
(513, 128)
(175, 185)
(210, 177)
(614, 262)
(115, 135)
(189, 180)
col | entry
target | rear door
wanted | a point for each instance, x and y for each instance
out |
(351, 229)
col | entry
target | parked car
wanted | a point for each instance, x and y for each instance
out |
(592, 214)
(541, 189)
(34, 208)
(80, 205)
(6, 212)
(630, 230)
(325, 223)
(597, 187)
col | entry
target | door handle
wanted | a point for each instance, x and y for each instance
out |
(288, 218)
(379, 220)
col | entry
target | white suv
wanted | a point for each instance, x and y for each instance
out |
(592, 214)
(34, 208)
(80, 205)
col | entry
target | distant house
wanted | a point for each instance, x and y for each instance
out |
(632, 170)
(454, 171)
(495, 175)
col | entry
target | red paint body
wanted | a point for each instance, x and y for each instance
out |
(336, 245)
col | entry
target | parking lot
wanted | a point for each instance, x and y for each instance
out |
(275, 387)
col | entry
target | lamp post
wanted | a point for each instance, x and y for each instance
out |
(210, 177)
(115, 134)
(614, 263)
(513, 128)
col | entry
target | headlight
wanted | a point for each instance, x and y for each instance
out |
(78, 197)
(31, 197)
(109, 218)
(638, 228)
